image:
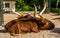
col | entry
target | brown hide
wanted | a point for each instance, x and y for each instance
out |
(28, 24)
(16, 26)
(25, 18)
(45, 24)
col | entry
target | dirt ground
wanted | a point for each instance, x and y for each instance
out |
(55, 33)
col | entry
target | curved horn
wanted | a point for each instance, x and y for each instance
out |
(16, 13)
(43, 8)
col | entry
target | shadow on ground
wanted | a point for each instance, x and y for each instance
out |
(2, 31)
(56, 18)
(56, 30)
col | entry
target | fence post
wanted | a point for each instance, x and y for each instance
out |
(1, 13)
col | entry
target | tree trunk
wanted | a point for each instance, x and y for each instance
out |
(57, 4)
(1, 13)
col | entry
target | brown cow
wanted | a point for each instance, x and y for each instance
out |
(17, 26)
(27, 24)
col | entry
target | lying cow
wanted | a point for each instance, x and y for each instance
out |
(28, 24)
(18, 26)
(43, 24)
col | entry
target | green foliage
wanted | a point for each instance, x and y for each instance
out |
(31, 1)
(20, 4)
(55, 10)
(27, 8)
(17, 10)
(25, 5)
(53, 3)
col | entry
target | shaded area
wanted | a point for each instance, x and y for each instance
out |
(2, 31)
(56, 18)
(56, 30)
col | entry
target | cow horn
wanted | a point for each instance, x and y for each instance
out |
(16, 13)
(43, 8)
